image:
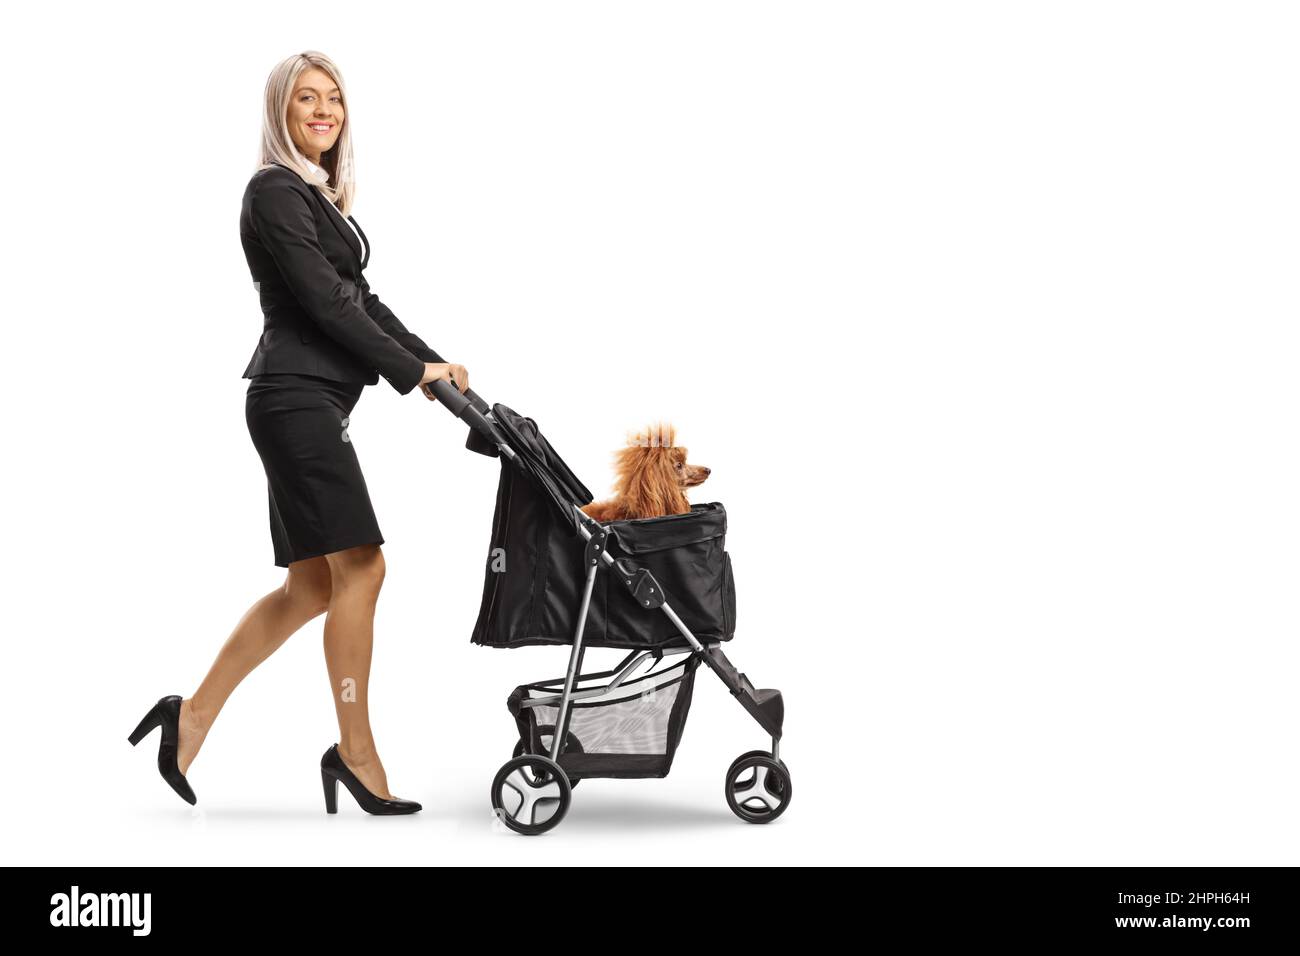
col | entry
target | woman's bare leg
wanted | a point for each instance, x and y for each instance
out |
(356, 576)
(263, 628)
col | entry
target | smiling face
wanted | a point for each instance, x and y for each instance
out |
(315, 113)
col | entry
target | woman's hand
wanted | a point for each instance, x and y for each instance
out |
(458, 375)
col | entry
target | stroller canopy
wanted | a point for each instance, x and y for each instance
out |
(542, 463)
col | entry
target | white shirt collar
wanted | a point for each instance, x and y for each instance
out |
(321, 175)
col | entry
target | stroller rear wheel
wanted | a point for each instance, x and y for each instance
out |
(545, 733)
(758, 787)
(530, 794)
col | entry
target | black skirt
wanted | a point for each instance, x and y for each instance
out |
(317, 496)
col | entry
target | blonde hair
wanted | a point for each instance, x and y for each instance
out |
(278, 146)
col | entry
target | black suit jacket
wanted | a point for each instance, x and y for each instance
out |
(319, 316)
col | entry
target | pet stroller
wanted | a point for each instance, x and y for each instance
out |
(667, 598)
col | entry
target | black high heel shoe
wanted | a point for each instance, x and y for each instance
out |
(333, 769)
(167, 714)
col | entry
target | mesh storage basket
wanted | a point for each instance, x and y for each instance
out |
(631, 732)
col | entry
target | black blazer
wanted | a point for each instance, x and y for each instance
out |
(319, 316)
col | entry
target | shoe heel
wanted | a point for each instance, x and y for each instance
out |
(150, 721)
(331, 784)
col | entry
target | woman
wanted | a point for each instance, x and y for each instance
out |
(325, 337)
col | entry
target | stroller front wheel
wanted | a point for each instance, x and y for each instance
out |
(745, 756)
(758, 787)
(530, 794)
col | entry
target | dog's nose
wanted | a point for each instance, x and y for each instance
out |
(705, 469)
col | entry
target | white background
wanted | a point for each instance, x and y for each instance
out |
(984, 316)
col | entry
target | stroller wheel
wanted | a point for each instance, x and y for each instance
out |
(774, 781)
(753, 753)
(530, 794)
(758, 787)
(545, 732)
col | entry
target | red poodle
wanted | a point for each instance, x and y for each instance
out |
(652, 478)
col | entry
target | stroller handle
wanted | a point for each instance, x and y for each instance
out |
(451, 397)
(472, 410)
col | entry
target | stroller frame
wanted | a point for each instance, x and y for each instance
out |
(758, 786)
(595, 535)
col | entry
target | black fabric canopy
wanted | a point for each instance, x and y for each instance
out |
(543, 463)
